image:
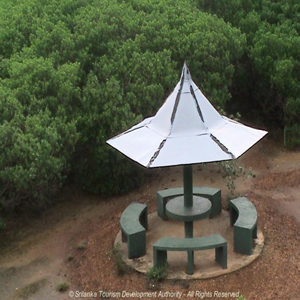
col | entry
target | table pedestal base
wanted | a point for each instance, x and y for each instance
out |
(190, 258)
(188, 229)
(189, 233)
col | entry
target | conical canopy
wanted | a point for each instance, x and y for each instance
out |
(186, 130)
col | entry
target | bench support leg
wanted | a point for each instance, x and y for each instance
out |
(221, 256)
(233, 215)
(213, 195)
(161, 207)
(216, 204)
(144, 218)
(254, 232)
(136, 245)
(159, 257)
(190, 255)
(242, 240)
(124, 236)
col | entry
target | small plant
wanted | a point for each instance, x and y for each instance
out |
(62, 286)
(230, 169)
(81, 245)
(157, 273)
(251, 174)
(231, 172)
(241, 297)
(29, 290)
(120, 267)
(230, 186)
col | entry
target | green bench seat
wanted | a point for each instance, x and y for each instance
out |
(134, 223)
(190, 245)
(243, 218)
(212, 194)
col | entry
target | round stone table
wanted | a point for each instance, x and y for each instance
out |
(176, 210)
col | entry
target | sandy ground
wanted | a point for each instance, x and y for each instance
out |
(39, 252)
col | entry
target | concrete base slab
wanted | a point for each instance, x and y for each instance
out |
(205, 265)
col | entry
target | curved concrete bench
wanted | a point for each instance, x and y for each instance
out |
(134, 223)
(165, 244)
(243, 218)
(212, 194)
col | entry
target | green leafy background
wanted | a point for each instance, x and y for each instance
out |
(74, 73)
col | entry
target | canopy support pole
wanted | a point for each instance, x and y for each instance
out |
(188, 185)
(188, 197)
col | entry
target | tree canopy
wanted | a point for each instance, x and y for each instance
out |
(74, 73)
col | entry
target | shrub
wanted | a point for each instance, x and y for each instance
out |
(157, 273)
(75, 73)
(62, 286)
(120, 266)
(37, 138)
(81, 245)
(2, 224)
(292, 136)
(231, 172)
(266, 82)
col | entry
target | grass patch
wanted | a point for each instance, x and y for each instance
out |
(81, 245)
(157, 273)
(29, 289)
(120, 266)
(62, 286)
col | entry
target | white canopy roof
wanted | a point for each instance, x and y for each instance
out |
(186, 130)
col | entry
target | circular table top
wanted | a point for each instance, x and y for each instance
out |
(176, 210)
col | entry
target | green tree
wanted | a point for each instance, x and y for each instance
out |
(37, 137)
(266, 80)
(77, 72)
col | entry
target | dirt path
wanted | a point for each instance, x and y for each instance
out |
(34, 254)
(39, 253)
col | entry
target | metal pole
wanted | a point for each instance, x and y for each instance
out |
(188, 185)
(188, 229)
(188, 202)
(189, 233)
(188, 197)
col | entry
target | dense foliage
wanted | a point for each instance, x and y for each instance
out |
(74, 73)
(268, 76)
